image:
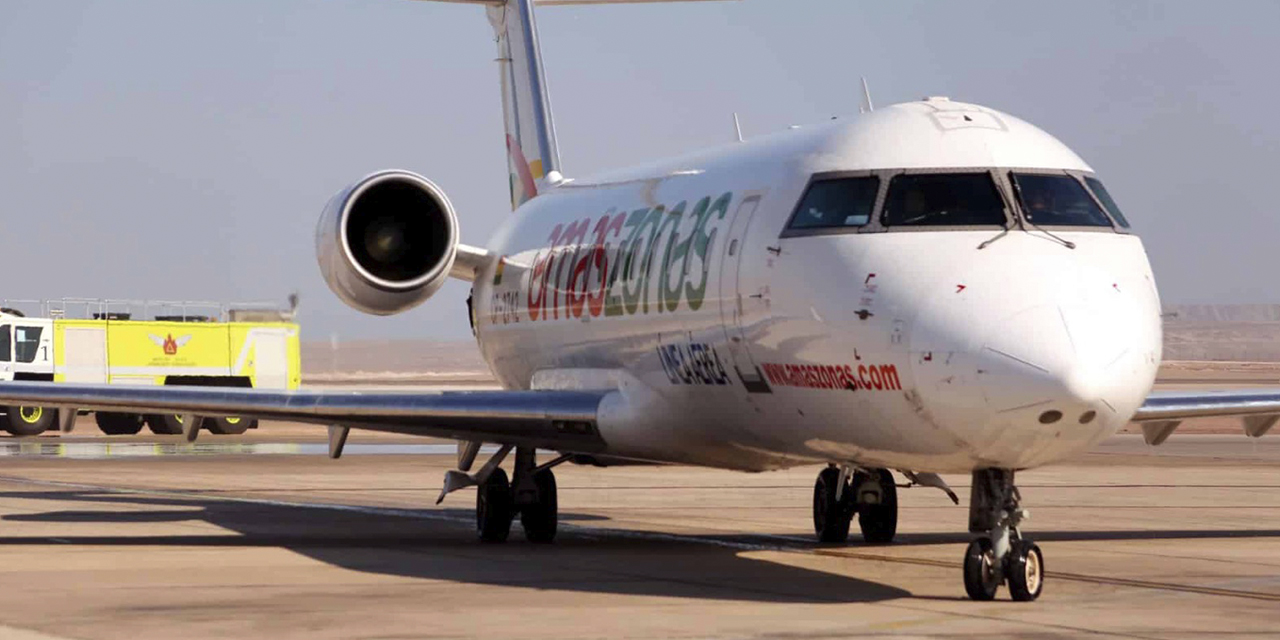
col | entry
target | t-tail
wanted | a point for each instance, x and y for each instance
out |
(533, 156)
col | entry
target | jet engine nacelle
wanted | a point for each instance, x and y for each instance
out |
(387, 242)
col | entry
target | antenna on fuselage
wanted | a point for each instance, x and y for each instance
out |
(866, 106)
(737, 126)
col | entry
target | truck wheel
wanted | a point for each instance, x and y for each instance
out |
(230, 425)
(29, 421)
(118, 424)
(167, 424)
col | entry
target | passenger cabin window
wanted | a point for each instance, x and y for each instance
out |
(1105, 198)
(26, 342)
(943, 200)
(6, 348)
(836, 203)
(1057, 199)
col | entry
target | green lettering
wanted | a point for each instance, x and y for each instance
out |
(703, 245)
(677, 250)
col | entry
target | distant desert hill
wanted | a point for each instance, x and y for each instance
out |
(1241, 332)
(394, 360)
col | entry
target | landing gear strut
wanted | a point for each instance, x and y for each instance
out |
(839, 495)
(1000, 555)
(532, 495)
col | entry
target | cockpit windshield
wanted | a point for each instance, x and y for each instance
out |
(837, 203)
(943, 199)
(1105, 198)
(1057, 200)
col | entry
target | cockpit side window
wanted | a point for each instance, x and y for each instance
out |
(1106, 200)
(837, 203)
(943, 200)
(1057, 200)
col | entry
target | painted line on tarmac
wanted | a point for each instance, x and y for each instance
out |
(785, 544)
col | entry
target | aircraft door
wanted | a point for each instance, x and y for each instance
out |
(734, 301)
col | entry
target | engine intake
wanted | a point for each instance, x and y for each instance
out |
(387, 243)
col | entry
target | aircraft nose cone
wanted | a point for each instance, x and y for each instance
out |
(1030, 366)
(1053, 363)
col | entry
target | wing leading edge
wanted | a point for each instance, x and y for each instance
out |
(559, 420)
(1160, 415)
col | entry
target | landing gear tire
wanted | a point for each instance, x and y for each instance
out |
(164, 425)
(29, 421)
(493, 508)
(1025, 568)
(230, 425)
(981, 571)
(831, 515)
(118, 424)
(878, 520)
(539, 519)
(1001, 555)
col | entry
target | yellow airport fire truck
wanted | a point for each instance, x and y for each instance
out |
(145, 343)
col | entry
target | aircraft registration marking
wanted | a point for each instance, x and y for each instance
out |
(693, 363)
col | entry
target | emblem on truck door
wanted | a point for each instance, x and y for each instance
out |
(168, 343)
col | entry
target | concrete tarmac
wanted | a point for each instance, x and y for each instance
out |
(1181, 541)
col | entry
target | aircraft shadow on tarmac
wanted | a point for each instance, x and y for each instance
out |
(442, 546)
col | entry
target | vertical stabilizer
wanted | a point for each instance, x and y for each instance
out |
(533, 159)
(532, 153)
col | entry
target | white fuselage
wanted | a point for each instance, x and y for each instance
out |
(735, 345)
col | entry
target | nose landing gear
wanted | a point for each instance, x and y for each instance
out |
(1000, 555)
(840, 493)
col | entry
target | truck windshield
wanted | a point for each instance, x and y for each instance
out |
(26, 343)
(943, 199)
(1057, 199)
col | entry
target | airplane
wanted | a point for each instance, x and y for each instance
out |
(930, 287)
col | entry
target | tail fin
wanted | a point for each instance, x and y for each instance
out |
(526, 105)
(533, 156)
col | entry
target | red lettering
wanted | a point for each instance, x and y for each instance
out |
(569, 242)
(538, 277)
(595, 301)
(891, 380)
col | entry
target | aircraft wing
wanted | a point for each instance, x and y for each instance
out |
(559, 420)
(1160, 415)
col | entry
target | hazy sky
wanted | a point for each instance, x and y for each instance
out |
(184, 148)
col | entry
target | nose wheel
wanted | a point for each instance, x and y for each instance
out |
(1000, 556)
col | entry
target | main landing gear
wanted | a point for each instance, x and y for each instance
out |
(1001, 555)
(532, 495)
(841, 493)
